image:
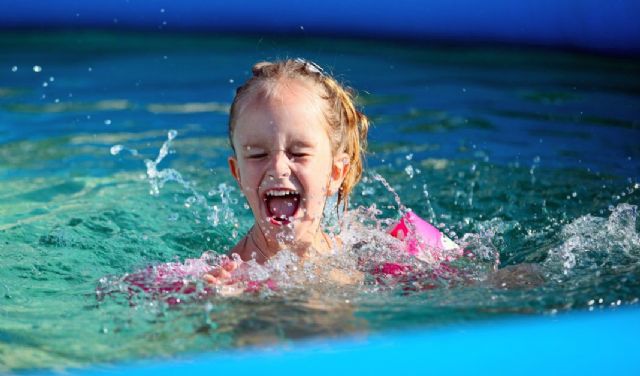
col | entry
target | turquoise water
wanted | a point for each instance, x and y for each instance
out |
(528, 158)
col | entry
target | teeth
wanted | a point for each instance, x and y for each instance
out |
(281, 193)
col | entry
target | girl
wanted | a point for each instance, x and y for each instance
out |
(297, 139)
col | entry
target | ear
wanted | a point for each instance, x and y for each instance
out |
(234, 169)
(339, 170)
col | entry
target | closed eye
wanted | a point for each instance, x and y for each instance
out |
(257, 156)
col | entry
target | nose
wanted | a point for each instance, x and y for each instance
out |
(279, 165)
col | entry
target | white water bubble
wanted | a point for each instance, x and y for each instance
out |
(37, 68)
(116, 149)
(409, 171)
(409, 156)
(51, 79)
(14, 68)
(107, 122)
(45, 84)
(367, 191)
(172, 134)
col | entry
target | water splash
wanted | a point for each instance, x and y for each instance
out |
(592, 244)
(365, 248)
(377, 177)
(217, 213)
(117, 149)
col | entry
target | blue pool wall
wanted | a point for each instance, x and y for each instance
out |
(578, 343)
(610, 26)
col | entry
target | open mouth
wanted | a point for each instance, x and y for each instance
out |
(282, 205)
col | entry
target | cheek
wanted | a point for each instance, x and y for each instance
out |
(248, 173)
(316, 183)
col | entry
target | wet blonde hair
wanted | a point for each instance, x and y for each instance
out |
(348, 127)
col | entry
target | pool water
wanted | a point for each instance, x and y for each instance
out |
(526, 157)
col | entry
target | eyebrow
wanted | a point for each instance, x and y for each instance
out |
(302, 144)
(250, 146)
(297, 144)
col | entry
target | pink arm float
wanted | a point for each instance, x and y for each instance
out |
(423, 240)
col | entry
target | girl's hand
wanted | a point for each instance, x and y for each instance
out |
(221, 274)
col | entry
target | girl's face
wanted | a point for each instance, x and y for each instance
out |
(284, 163)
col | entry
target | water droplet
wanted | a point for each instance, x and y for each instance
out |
(45, 84)
(409, 171)
(172, 134)
(37, 68)
(231, 80)
(14, 68)
(409, 156)
(107, 122)
(116, 149)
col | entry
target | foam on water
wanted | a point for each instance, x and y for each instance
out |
(595, 244)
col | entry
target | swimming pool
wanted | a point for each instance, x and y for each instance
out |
(528, 155)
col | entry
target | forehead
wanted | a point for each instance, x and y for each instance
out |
(291, 107)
